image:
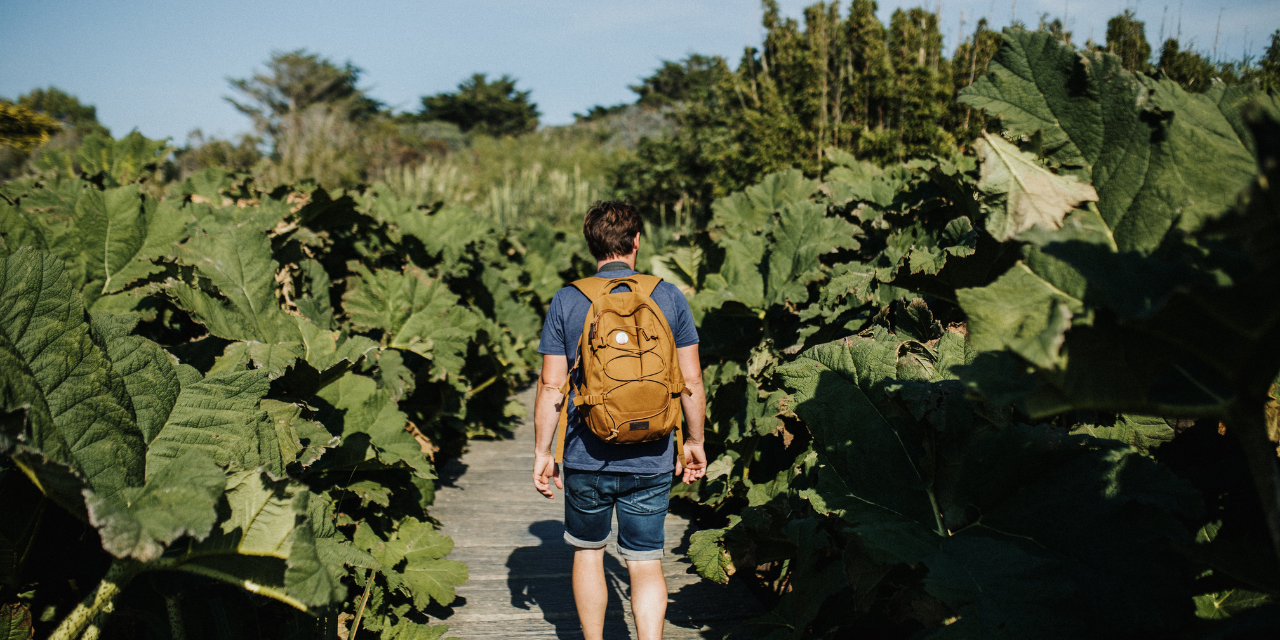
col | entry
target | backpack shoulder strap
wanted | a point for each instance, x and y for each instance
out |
(591, 287)
(594, 287)
(648, 284)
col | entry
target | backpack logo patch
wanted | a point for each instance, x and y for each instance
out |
(640, 426)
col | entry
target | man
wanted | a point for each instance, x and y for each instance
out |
(636, 478)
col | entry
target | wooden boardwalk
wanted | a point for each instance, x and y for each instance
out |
(510, 537)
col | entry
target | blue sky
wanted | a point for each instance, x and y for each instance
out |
(161, 67)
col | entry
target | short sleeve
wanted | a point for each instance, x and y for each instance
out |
(552, 341)
(683, 328)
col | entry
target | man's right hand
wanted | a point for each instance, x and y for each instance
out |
(694, 465)
(544, 467)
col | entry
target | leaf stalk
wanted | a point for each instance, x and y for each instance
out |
(86, 619)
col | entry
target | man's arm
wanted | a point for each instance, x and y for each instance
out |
(694, 403)
(546, 417)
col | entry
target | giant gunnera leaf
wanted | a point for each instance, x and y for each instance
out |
(1145, 145)
(240, 303)
(1020, 527)
(415, 313)
(1133, 305)
(417, 552)
(90, 412)
(264, 542)
(80, 415)
(1024, 194)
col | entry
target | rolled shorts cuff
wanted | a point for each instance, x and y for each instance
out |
(637, 556)
(582, 544)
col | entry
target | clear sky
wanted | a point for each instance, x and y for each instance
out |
(161, 67)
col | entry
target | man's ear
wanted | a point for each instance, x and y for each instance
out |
(635, 242)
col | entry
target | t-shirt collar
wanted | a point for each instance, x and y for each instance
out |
(616, 265)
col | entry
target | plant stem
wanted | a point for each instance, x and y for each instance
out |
(368, 585)
(483, 385)
(937, 515)
(98, 605)
(173, 604)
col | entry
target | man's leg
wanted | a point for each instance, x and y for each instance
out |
(590, 593)
(648, 597)
(642, 511)
(588, 516)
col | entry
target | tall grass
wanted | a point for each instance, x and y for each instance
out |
(549, 177)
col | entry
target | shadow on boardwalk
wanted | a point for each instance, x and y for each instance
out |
(533, 588)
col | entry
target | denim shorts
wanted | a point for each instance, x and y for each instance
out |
(641, 499)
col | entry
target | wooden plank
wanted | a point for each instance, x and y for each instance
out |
(511, 539)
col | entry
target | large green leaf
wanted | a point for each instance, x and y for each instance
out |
(372, 426)
(869, 472)
(15, 622)
(449, 234)
(238, 265)
(709, 557)
(415, 313)
(120, 232)
(1182, 333)
(179, 499)
(81, 414)
(418, 553)
(1021, 567)
(1022, 193)
(149, 375)
(220, 416)
(1142, 143)
(264, 542)
(130, 158)
(999, 516)
(803, 233)
(1145, 433)
(1021, 312)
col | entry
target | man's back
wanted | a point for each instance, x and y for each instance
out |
(560, 336)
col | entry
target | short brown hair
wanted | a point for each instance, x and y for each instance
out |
(611, 228)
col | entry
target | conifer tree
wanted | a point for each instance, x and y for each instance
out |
(1126, 37)
(1188, 68)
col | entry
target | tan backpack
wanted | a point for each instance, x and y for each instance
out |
(631, 379)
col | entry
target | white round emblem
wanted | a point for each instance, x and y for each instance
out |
(620, 337)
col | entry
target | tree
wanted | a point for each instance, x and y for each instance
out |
(1126, 37)
(296, 80)
(923, 82)
(968, 64)
(202, 152)
(23, 128)
(65, 108)
(1188, 68)
(492, 108)
(688, 79)
(1269, 76)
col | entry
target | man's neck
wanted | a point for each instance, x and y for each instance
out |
(629, 261)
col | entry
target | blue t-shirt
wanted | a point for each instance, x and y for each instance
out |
(560, 334)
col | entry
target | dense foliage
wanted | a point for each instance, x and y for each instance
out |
(247, 387)
(845, 80)
(989, 340)
(1033, 349)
